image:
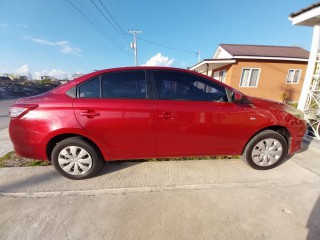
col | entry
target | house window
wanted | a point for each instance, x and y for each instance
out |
(216, 75)
(293, 75)
(249, 77)
(220, 75)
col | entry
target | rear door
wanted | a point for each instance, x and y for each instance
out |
(194, 116)
(115, 109)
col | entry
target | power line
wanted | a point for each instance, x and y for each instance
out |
(95, 26)
(92, 11)
(114, 27)
(117, 27)
(114, 20)
(169, 47)
(126, 17)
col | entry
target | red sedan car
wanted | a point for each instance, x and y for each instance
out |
(150, 112)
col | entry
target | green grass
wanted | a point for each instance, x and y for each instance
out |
(12, 156)
(12, 159)
(194, 158)
(6, 157)
(294, 105)
(35, 163)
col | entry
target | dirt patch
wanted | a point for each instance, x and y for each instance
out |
(11, 159)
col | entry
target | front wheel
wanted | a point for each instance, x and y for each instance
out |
(76, 159)
(266, 150)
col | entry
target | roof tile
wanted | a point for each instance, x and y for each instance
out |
(265, 51)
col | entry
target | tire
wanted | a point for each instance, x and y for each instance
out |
(266, 150)
(76, 159)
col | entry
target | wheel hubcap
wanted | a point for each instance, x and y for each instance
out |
(267, 152)
(75, 160)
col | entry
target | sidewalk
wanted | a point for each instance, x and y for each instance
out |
(5, 142)
(148, 177)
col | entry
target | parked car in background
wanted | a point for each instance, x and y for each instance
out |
(150, 112)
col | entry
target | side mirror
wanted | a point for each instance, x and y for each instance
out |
(237, 97)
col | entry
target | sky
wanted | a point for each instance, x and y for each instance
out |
(63, 37)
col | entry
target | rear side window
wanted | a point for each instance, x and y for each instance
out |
(90, 89)
(131, 84)
(124, 85)
(184, 86)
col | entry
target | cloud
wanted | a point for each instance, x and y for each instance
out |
(56, 73)
(4, 25)
(22, 26)
(24, 70)
(159, 60)
(65, 46)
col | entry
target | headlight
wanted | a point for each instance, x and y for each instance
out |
(295, 112)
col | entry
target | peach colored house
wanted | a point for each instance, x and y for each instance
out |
(271, 72)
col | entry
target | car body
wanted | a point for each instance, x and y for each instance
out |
(150, 112)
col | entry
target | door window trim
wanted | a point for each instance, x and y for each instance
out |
(156, 90)
(149, 93)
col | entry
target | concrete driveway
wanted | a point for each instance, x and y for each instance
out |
(208, 199)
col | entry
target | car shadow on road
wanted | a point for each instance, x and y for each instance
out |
(115, 166)
(313, 223)
(305, 145)
(26, 183)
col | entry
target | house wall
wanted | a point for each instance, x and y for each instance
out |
(272, 80)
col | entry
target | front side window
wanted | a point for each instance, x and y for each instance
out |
(124, 85)
(293, 76)
(249, 77)
(183, 86)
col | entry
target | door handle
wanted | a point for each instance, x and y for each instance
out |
(168, 116)
(90, 114)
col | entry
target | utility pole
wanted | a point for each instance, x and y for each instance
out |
(134, 45)
(198, 55)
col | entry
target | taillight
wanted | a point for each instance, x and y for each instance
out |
(18, 110)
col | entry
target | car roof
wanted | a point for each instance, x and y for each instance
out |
(70, 84)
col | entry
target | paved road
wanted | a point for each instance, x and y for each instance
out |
(5, 143)
(209, 199)
(4, 112)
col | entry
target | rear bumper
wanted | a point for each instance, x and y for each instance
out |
(28, 144)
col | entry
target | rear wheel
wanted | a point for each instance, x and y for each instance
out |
(76, 159)
(266, 150)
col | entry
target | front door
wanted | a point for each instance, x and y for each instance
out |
(194, 116)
